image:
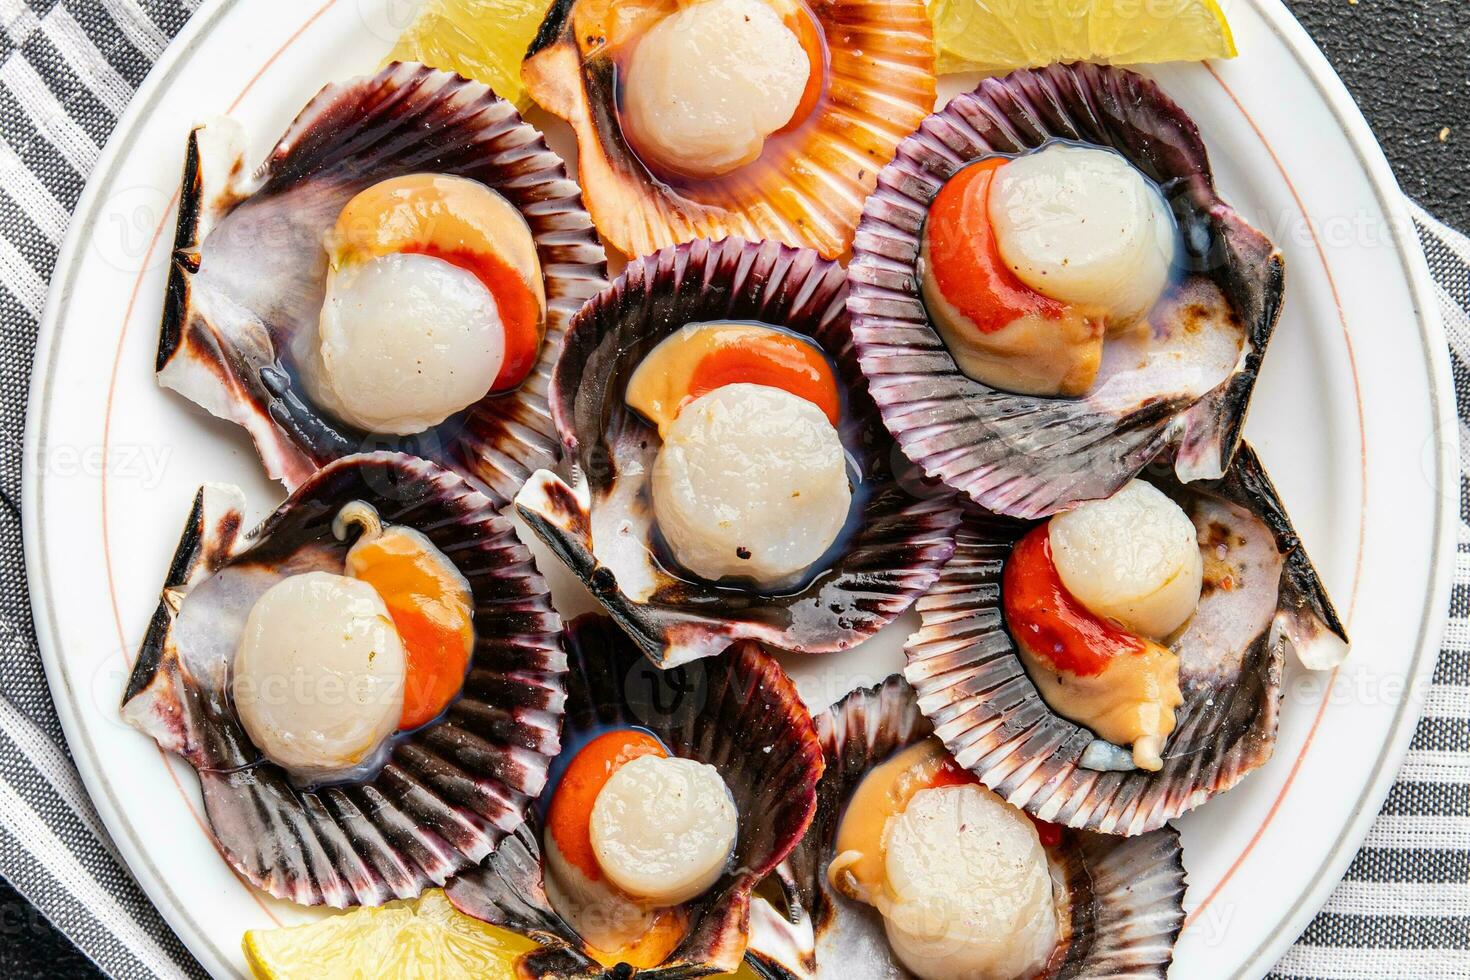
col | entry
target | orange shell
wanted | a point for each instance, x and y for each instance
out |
(806, 189)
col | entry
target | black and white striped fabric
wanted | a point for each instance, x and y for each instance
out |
(67, 70)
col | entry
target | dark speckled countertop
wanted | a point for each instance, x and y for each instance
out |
(1407, 62)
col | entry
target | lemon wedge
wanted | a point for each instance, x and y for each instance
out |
(425, 939)
(480, 39)
(997, 36)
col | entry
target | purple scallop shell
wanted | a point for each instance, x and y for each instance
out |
(1018, 454)
(902, 535)
(450, 791)
(974, 688)
(249, 266)
(1125, 895)
(738, 712)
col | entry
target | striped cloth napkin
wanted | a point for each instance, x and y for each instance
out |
(67, 70)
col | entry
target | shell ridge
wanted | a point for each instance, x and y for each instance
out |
(720, 711)
(890, 560)
(828, 172)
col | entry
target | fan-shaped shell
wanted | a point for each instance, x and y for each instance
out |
(450, 791)
(974, 688)
(249, 265)
(1125, 895)
(806, 189)
(1027, 456)
(892, 555)
(739, 713)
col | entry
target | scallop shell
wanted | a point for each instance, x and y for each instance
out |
(739, 713)
(1018, 454)
(893, 554)
(985, 708)
(806, 190)
(451, 791)
(249, 267)
(1125, 894)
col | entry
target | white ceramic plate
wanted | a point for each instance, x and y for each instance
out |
(1353, 415)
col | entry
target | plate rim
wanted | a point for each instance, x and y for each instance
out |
(1434, 347)
(1395, 206)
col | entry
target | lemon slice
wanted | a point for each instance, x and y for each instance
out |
(996, 36)
(426, 939)
(481, 39)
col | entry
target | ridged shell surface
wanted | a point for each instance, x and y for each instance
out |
(1023, 455)
(738, 712)
(1124, 902)
(984, 706)
(806, 189)
(896, 541)
(249, 265)
(450, 791)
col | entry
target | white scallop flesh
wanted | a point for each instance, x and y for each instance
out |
(707, 85)
(1082, 225)
(751, 482)
(406, 340)
(663, 829)
(318, 676)
(1133, 558)
(967, 891)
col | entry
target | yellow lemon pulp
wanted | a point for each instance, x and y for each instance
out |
(480, 39)
(425, 939)
(997, 36)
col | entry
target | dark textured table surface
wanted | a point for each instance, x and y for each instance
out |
(1407, 62)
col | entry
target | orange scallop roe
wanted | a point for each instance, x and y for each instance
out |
(670, 926)
(776, 360)
(951, 773)
(703, 357)
(567, 819)
(964, 256)
(803, 23)
(1049, 621)
(431, 609)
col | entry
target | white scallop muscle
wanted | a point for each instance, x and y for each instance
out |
(967, 891)
(751, 481)
(1081, 225)
(1133, 558)
(662, 829)
(707, 85)
(319, 674)
(406, 340)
